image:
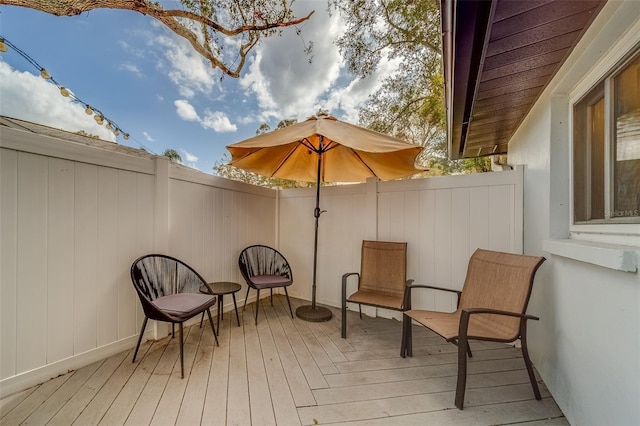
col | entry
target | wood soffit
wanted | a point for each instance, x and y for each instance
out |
(499, 55)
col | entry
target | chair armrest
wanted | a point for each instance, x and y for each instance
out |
(410, 285)
(344, 283)
(468, 312)
(348, 274)
(434, 288)
(466, 315)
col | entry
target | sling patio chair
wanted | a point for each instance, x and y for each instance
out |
(169, 291)
(264, 267)
(491, 307)
(381, 280)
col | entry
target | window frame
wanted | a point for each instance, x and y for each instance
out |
(585, 230)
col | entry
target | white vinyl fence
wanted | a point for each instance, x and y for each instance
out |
(442, 219)
(73, 217)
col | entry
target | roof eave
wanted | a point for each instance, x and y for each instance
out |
(462, 57)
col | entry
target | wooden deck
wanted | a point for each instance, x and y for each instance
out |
(290, 372)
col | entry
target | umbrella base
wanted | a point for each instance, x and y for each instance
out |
(311, 314)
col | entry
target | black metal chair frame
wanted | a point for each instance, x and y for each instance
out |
(251, 264)
(149, 290)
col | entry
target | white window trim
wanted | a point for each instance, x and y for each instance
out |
(612, 256)
(616, 232)
(614, 245)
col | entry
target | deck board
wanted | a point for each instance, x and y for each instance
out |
(12, 401)
(130, 392)
(150, 396)
(215, 403)
(298, 385)
(72, 409)
(64, 393)
(288, 372)
(98, 406)
(34, 400)
(238, 408)
(259, 394)
(173, 394)
(191, 409)
(284, 407)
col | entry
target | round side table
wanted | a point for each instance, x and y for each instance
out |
(220, 288)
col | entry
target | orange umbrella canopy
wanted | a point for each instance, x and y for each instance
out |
(349, 153)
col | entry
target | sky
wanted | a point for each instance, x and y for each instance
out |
(160, 91)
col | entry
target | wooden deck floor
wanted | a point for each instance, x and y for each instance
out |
(290, 372)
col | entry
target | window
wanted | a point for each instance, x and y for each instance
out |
(606, 149)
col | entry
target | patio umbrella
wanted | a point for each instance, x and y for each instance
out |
(324, 149)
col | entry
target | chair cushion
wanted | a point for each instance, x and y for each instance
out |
(269, 281)
(184, 305)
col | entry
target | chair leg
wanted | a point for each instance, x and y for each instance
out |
(245, 299)
(215, 332)
(235, 307)
(343, 334)
(462, 371)
(271, 290)
(288, 301)
(201, 319)
(527, 362)
(144, 325)
(455, 342)
(403, 340)
(360, 309)
(181, 351)
(406, 347)
(257, 305)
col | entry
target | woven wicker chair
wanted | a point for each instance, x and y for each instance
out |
(169, 291)
(492, 307)
(264, 267)
(381, 280)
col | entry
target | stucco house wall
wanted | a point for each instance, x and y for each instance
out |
(587, 345)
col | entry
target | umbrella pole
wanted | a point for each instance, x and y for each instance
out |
(312, 312)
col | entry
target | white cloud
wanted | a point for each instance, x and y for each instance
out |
(349, 99)
(147, 136)
(189, 157)
(218, 121)
(191, 72)
(215, 120)
(186, 111)
(286, 85)
(131, 68)
(29, 97)
(281, 76)
(190, 160)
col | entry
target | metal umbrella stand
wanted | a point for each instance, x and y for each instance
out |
(312, 312)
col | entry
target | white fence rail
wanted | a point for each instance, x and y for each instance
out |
(74, 217)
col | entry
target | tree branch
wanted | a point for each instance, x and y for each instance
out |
(171, 19)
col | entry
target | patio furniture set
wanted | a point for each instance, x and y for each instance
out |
(490, 307)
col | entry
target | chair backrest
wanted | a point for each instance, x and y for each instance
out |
(383, 267)
(263, 260)
(157, 275)
(502, 281)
